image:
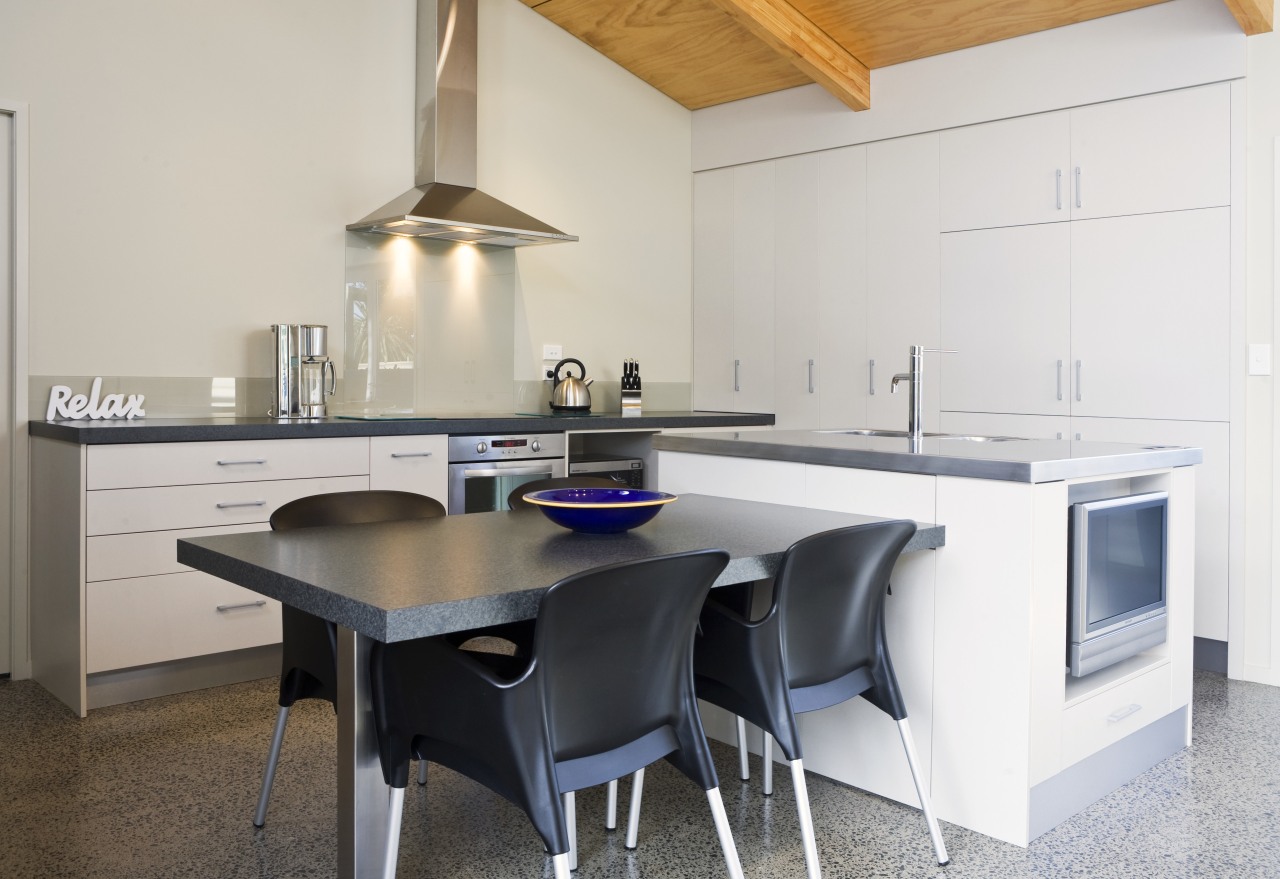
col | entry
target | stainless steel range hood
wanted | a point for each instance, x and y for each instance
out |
(445, 204)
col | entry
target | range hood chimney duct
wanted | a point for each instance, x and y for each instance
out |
(444, 203)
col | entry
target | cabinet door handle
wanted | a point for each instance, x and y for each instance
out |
(227, 505)
(232, 462)
(1057, 188)
(1121, 713)
(736, 365)
(811, 376)
(411, 454)
(1079, 365)
(1059, 379)
(871, 378)
(1079, 203)
(223, 608)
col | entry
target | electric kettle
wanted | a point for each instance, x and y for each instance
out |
(571, 392)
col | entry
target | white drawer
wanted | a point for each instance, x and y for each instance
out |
(122, 510)
(411, 463)
(1114, 713)
(150, 464)
(173, 616)
(145, 553)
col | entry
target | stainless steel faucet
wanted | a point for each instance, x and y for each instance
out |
(915, 375)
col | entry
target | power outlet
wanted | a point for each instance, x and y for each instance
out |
(553, 352)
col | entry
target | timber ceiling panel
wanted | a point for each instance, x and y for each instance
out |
(706, 52)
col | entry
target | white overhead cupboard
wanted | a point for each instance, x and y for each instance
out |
(1078, 262)
(790, 249)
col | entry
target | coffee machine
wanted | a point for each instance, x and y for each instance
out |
(305, 375)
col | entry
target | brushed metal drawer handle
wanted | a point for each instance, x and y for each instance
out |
(412, 454)
(226, 505)
(1120, 714)
(232, 463)
(223, 608)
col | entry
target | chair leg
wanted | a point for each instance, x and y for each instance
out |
(812, 870)
(560, 866)
(766, 749)
(611, 806)
(722, 831)
(273, 758)
(394, 815)
(422, 772)
(939, 847)
(633, 817)
(571, 819)
(744, 770)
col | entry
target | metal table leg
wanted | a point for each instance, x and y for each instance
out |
(363, 802)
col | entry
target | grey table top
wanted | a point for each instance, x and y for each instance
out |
(1016, 460)
(400, 580)
(167, 430)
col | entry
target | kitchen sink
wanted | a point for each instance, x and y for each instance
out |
(902, 434)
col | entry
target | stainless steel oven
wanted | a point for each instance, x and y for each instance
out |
(483, 470)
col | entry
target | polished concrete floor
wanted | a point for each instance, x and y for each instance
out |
(166, 788)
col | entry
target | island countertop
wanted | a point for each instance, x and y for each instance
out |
(1003, 458)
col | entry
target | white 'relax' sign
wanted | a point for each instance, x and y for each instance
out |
(63, 405)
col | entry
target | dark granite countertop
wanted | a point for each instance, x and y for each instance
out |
(177, 430)
(399, 580)
(1013, 460)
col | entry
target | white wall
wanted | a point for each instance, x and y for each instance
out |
(1258, 614)
(193, 166)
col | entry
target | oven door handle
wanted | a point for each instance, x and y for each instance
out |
(510, 471)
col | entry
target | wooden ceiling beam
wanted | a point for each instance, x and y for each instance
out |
(809, 48)
(1254, 16)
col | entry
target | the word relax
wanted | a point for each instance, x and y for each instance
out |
(63, 405)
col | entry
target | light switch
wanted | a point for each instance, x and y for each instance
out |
(1259, 359)
(553, 352)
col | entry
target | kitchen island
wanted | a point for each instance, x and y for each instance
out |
(1011, 743)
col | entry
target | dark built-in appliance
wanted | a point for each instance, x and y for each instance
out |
(483, 470)
(1117, 573)
(624, 471)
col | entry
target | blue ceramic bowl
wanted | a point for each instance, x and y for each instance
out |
(599, 510)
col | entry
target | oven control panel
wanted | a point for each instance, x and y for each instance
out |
(512, 447)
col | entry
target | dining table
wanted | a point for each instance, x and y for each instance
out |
(394, 581)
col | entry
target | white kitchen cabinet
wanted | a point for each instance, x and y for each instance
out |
(779, 313)
(733, 237)
(1006, 312)
(1006, 173)
(419, 464)
(1124, 317)
(1007, 424)
(713, 304)
(108, 595)
(1149, 154)
(1150, 316)
(1164, 152)
(796, 297)
(842, 308)
(903, 274)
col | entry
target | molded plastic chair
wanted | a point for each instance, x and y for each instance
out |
(516, 500)
(608, 690)
(822, 642)
(309, 664)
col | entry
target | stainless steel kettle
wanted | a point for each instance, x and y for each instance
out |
(571, 392)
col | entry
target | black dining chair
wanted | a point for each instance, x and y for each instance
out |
(822, 642)
(608, 689)
(516, 501)
(309, 661)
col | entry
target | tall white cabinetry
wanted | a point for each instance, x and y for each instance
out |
(813, 276)
(1086, 286)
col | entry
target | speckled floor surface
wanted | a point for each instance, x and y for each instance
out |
(166, 788)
